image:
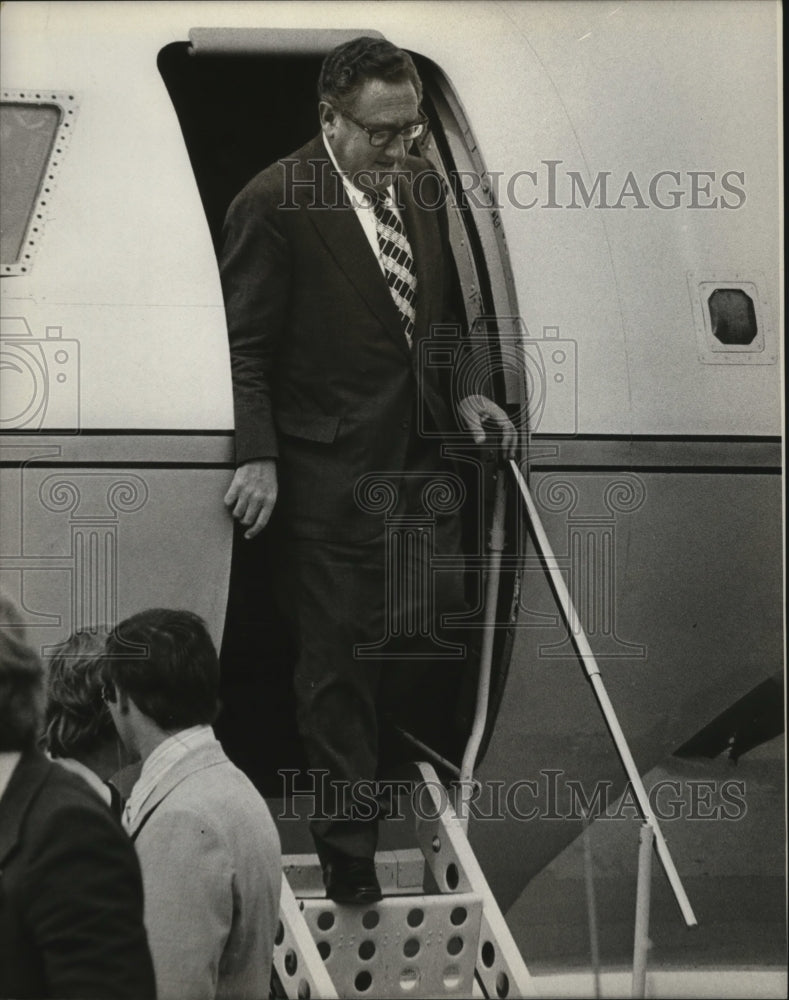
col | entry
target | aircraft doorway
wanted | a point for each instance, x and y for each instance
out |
(244, 100)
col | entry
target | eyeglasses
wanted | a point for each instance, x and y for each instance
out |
(383, 136)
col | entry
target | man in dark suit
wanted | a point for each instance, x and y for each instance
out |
(335, 264)
(71, 906)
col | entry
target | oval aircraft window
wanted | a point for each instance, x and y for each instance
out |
(245, 99)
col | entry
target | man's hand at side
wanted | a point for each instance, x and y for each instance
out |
(253, 493)
(476, 409)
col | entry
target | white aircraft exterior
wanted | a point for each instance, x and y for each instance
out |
(619, 168)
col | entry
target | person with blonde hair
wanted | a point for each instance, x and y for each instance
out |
(79, 731)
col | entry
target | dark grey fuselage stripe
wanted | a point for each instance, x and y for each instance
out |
(214, 450)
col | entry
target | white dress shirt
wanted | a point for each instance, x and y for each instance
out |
(158, 763)
(8, 761)
(362, 206)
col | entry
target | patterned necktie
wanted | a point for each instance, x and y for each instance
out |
(398, 263)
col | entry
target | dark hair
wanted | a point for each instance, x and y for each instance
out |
(77, 720)
(21, 683)
(351, 64)
(165, 661)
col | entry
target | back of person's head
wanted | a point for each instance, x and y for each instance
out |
(77, 721)
(166, 662)
(21, 682)
(347, 67)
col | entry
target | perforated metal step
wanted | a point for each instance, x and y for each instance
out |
(453, 942)
(404, 946)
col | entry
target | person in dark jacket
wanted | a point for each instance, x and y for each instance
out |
(71, 904)
(336, 270)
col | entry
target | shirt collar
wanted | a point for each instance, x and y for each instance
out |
(358, 198)
(8, 761)
(160, 761)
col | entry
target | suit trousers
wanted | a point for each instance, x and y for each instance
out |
(364, 618)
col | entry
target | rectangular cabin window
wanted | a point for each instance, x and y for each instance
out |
(33, 131)
(732, 318)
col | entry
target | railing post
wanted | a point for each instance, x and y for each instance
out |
(591, 905)
(643, 893)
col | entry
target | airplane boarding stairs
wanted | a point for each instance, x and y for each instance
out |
(451, 941)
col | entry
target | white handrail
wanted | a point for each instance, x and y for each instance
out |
(466, 783)
(593, 672)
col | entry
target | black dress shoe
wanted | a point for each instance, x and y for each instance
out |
(351, 880)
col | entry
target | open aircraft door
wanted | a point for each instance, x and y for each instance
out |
(245, 98)
(117, 413)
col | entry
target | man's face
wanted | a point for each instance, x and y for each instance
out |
(378, 104)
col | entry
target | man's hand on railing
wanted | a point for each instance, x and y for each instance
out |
(476, 410)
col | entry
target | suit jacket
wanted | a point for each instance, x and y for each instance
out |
(323, 376)
(211, 866)
(70, 892)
